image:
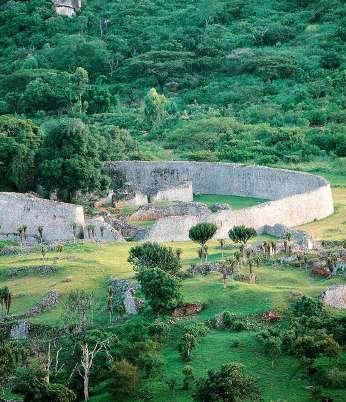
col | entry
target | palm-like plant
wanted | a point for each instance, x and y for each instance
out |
(179, 252)
(201, 233)
(74, 231)
(222, 243)
(5, 299)
(40, 233)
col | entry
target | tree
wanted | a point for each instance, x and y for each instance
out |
(222, 243)
(40, 233)
(161, 290)
(69, 162)
(19, 142)
(5, 299)
(201, 233)
(154, 255)
(78, 309)
(87, 360)
(227, 268)
(80, 79)
(241, 234)
(154, 108)
(228, 384)
(189, 378)
(187, 343)
(30, 382)
(124, 378)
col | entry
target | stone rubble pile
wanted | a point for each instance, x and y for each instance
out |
(41, 270)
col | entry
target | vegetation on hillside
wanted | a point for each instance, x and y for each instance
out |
(236, 81)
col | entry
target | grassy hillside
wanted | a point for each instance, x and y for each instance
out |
(237, 81)
(90, 266)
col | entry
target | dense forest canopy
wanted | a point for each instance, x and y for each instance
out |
(237, 81)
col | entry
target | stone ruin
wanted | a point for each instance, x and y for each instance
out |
(295, 198)
(128, 194)
(59, 221)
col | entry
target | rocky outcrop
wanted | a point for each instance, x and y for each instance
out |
(96, 228)
(335, 296)
(20, 330)
(187, 309)
(67, 8)
(300, 237)
(125, 290)
(126, 229)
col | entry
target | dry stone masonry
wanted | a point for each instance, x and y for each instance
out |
(60, 221)
(295, 197)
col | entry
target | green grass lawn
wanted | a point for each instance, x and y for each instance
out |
(333, 227)
(236, 202)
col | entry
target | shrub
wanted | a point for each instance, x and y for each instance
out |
(124, 378)
(189, 378)
(308, 306)
(228, 384)
(187, 343)
(330, 60)
(154, 255)
(333, 378)
(161, 290)
(273, 34)
(196, 328)
(159, 330)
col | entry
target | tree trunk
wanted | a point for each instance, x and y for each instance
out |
(86, 385)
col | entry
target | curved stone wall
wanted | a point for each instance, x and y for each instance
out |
(297, 197)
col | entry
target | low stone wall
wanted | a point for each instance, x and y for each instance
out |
(297, 197)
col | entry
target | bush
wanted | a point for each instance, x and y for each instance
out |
(273, 34)
(161, 290)
(308, 306)
(229, 383)
(333, 378)
(159, 330)
(154, 255)
(196, 328)
(330, 60)
(124, 378)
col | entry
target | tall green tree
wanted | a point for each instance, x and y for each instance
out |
(70, 160)
(19, 142)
